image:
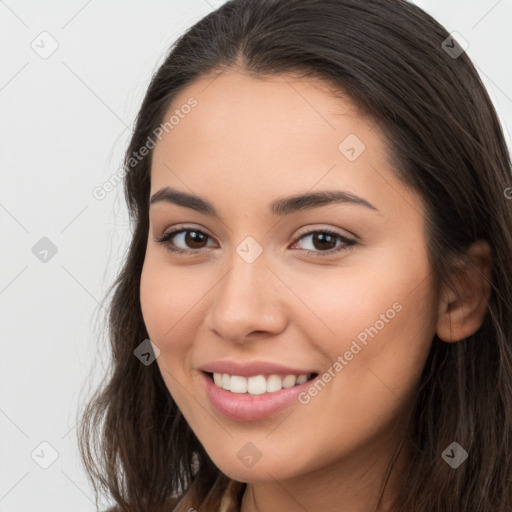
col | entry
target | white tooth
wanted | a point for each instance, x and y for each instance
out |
(256, 385)
(238, 384)
(302, 378)
(274, 383)
(289, 381)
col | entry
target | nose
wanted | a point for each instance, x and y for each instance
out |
(247, 300)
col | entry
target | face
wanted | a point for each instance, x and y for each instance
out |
(339, 291)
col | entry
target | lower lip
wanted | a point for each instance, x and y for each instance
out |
(246, 407)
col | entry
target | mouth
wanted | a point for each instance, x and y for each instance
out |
(239, 403)
(258, 384)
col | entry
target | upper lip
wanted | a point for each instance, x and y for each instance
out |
(252, 368)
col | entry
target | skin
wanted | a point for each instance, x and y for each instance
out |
(246, 143)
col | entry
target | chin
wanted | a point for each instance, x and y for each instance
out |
(280, 468)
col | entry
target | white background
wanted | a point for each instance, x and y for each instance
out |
(65, 122)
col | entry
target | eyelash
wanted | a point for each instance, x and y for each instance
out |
(348, 242)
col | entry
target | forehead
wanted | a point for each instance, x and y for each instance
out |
(262, 136)
(233, 106)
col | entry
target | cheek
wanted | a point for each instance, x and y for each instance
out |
(378, 322)
(165, 300)
(152, 301)
(169, 305)
(363, 393)
(378, 296)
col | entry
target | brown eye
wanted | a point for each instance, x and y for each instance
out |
(324, 242)
(192, 239)
(195, 239)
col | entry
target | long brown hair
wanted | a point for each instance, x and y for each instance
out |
(445, 141)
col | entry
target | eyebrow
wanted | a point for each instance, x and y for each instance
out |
(280, 207)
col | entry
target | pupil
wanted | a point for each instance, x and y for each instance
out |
(322, 237)
(192, 238)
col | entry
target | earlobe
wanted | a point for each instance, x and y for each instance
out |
(462, 310)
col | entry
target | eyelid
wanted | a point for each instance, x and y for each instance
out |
(338, 231)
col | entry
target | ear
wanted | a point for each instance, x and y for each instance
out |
(461, 311)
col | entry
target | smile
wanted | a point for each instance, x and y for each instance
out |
(243, 405)
(258, 384)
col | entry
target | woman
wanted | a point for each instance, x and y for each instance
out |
(315, 311)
